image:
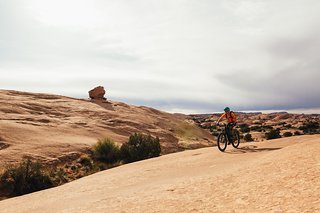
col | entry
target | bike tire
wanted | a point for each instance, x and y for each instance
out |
(236, 141)
(222, 142)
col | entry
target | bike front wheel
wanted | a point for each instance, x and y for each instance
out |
(222, 142)
(236, 141)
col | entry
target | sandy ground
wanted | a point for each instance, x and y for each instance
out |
(273, 176)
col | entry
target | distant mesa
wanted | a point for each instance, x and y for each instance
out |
(97, 93)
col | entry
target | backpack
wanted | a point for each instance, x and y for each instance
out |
(231, 112)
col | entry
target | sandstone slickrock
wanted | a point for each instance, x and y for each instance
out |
(46, 127)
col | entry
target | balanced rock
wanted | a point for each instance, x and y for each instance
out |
(97, 93)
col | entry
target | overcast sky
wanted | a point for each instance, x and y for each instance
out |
(175, 55)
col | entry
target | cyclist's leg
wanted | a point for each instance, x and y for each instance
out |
(229, 131)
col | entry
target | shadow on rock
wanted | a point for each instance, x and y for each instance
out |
(104, 104)
(248, 149)
(3, 145)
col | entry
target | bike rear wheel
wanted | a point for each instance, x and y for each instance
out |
(236, 141)
(222, 142)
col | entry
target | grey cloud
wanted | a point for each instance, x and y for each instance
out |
(23, 40)
(293, 74)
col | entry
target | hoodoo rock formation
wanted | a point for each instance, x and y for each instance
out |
(97, 93)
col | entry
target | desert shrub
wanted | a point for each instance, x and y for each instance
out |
(105, 150)
(297, 133)
(267, 127)
(59, 176)
(86, 161)
(248, 137)
(310, 127)
(25, 178)
(140, 147)
(287, 134)
(288, 126)
(212, 128)
(273, 134)
(244, 128)
(256, 128)
(215, 133)
(99, 167)
(205, 126)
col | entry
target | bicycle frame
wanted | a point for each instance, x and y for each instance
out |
(224, 130)
(235, 135)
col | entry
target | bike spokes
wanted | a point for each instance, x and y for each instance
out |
(236, 139)
(222, 142)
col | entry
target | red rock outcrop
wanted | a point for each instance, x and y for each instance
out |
(97, 93)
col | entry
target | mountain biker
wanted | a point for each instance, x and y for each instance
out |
(231, 119)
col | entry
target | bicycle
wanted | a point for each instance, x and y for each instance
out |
(223, 139)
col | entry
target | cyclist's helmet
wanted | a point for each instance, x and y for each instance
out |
(227, 109)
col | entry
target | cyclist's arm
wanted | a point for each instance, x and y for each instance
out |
(222, 116)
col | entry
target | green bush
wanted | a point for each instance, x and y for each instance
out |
(273, 134)
(215, 133)
(267, 127)
(310, 127)
(25, 178)
(244, 128)
(256, 128)
(140, 147)
(288, 126)
(212, 128)
(297, 133)
(287, 134)
(248, 137)
(86, 161)
(204, 126)
(59, 176)
(106, 151)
